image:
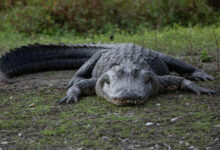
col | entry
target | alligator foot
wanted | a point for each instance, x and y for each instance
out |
(190, 86)
(200, 75)
(67, 100)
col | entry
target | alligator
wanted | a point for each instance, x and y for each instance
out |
(123, 74)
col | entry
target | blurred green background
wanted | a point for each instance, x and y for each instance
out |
(186, 29)
(102, 16)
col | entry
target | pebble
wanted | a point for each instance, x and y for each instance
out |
(125, 140)
(216, 140)
(169, 135)
(19, 134)
(1, 148)
(187, 104)
(105, 138)
(149, 124)
(4, 143)
(174, 119)
(130, 146)
(187, 144)
(31, 105)
(181, 142)
(158, 104)
(10, 97)
(157, 146)
(180, 96)
(137, 145)
(217, 126)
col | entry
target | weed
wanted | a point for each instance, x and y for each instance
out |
(205, 57)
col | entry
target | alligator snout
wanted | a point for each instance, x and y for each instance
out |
(125, 86)
(126, 95)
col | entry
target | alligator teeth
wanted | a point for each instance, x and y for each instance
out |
(127, 102)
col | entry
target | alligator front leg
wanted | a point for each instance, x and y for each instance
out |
(184, 68)
(78, 89)
(169, 82)
(82, 80)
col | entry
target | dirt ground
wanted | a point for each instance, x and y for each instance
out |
(55, 79)
(117, 136)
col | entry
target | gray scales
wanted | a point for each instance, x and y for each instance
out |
(123, 74)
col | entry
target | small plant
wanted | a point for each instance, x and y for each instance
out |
(205, 57)
(218, 75)
(40, 16)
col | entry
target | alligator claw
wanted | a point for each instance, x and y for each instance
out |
(190, 86)
(61, 101)
(67, 100)
(200, 75)
(204, 91)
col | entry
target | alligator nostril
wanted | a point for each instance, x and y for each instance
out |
(126, 95)
(121, 90)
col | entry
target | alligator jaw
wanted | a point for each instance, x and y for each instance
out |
(127, 102)
(124, 102)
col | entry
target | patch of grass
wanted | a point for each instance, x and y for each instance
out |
(89, 127)
(205, 57)
(201, 125)
(169, 40)
(49, 133)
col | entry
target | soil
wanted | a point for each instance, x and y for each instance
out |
(106, 122)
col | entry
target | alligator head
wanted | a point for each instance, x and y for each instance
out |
(127, 85)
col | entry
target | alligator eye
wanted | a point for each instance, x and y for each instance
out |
(120, 72)
(147, 79)
(134, 71)
(107, 80)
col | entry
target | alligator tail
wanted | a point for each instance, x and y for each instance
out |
(38, 57)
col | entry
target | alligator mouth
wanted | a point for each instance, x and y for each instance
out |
(124, 102)
(128, 102)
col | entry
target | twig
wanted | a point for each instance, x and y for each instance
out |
(217, 50)
(60, 109)
(2, 131)
(168, 146)
(155, 39)
(160, 143)
(190, 39)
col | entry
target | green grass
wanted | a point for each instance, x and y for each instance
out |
(178, 40)
(96, 123)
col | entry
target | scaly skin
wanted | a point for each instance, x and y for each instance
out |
(123, 74)
(130, 74)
